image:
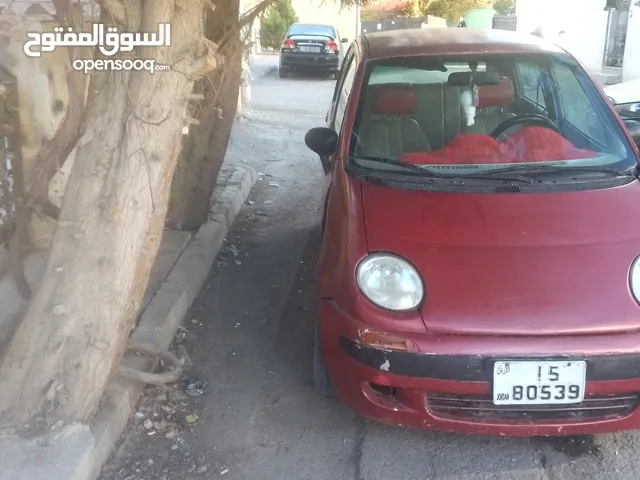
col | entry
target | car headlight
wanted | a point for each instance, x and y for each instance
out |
(628, 109)
(390, 282)
(634, 279)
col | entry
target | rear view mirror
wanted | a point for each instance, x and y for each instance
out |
(344, 40)
(634, 129)
(323, 141)
(463, 79)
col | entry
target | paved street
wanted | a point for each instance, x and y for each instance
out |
(249, 335)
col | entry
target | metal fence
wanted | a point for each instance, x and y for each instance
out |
(505, 22)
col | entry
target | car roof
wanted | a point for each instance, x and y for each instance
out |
(312, 25)
(441, 40)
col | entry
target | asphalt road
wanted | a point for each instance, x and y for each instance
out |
(251, 342)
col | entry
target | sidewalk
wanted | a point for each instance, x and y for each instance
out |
(262, 64)
(77, 452)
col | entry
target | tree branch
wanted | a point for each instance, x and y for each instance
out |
(53, 152)
(117, 11)
(207, 62)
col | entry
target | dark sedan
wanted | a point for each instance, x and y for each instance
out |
(311, 48)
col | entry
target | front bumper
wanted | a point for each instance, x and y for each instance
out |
(328, 62)
(447, 386)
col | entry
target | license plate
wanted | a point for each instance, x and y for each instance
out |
(310, 49)
(538, 382)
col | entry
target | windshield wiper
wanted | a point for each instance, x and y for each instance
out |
(425, 172)
(528, 168)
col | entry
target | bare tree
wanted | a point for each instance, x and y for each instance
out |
(126, 128)
(76, 326)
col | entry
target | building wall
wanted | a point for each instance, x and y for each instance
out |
(252, 31)
(479, 17)
(631, 67)
(328, 11)
(584, 23)
(434, 22)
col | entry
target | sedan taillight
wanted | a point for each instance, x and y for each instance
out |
(288, 44)
(332, 46)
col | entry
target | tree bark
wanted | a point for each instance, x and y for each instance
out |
(77, 324)
(201, 159)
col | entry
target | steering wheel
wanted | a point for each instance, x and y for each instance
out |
(531, 120)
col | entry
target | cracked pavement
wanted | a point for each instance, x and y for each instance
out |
(251, 341)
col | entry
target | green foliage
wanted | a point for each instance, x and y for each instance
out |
(506, 7)
(275, 23)
(371, 16)
(449, 9)
(452, 9)
(379, 14)
(417, 8)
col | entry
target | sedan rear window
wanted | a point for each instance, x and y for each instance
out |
(321, 30)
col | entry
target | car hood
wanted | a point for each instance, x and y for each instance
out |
(625, 92)
(515, 264)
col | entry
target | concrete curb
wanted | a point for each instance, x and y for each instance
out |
(258, 70)
(167, 309)
(268, 71)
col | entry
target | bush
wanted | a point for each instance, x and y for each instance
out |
(505, 7)
(275, 23)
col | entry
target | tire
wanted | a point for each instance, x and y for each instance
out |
(321, 380)
(283, 73)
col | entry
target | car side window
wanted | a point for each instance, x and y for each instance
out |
(336, 89)
(577, 108)
(530, 81)
(343, 90)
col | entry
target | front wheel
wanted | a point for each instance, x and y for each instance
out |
(321, 380)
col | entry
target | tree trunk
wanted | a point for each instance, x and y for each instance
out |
(77, 324)
(201, 159)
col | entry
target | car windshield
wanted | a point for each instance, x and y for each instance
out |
(322, 30)
(484, 113)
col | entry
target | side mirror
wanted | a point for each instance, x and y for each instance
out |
(323, 141)
(613, 102)
(634, 129)
(344, 40)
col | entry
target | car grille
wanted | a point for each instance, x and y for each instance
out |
(481, 409)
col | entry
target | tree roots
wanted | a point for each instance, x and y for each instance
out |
(160, 379)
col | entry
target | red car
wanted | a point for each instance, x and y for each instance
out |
(480, 260)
